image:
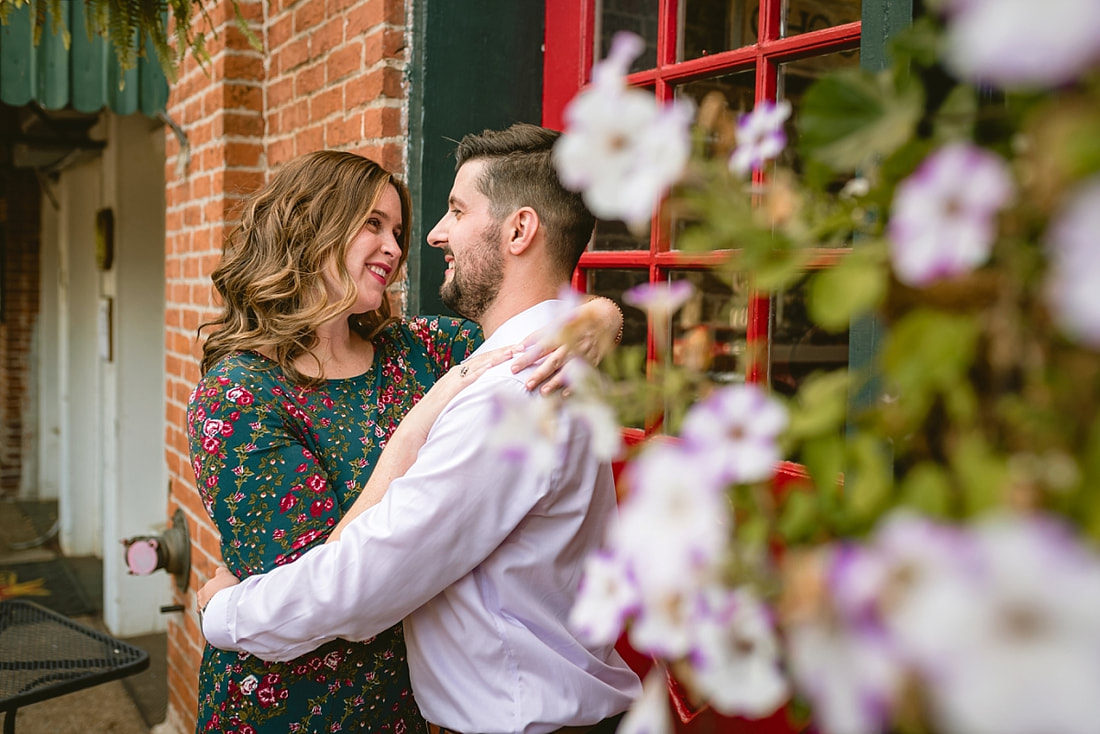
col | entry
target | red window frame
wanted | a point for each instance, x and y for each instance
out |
(569, 54)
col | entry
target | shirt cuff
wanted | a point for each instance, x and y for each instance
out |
(215, 619)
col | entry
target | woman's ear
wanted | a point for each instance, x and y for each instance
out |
(522, 227)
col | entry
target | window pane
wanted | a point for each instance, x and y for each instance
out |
(739, 89)
(629, 358)
(611, 283)
(614, 235)
(636, 16)
(803, 16)
(795, 77)
(708, 332)
(710, 26)
(798, 347)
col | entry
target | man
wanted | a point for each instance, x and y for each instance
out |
(480, 557)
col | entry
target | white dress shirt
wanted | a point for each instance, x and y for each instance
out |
(481, 558)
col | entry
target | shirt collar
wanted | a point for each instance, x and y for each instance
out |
(515, 329)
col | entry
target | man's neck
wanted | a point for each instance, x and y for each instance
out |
(513, 301)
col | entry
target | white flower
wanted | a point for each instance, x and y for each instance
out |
(851, 680)
(674, 523)
(943, 219)
(606, 598)
(620, 148)
(1025, 638)
(760, 136)
(660, 299)
(665, 622)
(523, 429)
(735, 430)
(604, 430)
(673, 529)
(1022, 43)
(840, 657)
(1074, 276)
(650, 713)
(736, 657)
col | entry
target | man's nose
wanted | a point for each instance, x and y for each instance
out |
(438, 236)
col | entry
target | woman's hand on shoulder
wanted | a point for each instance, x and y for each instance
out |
(594, 329)
(457, 378)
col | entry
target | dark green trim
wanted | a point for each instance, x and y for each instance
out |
(475, 65)
(882, 19)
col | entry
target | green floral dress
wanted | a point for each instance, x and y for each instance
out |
(277, 465)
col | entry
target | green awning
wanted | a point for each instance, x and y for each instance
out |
(85, 77)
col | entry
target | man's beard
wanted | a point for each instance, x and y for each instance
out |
(475, 284)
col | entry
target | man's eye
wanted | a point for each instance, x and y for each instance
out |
(456, 212)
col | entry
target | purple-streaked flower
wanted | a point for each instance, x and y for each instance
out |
(736, 656)
(1022, 43)
(943, 219)
(674, 522)
(660, 299)
(1071, 287)
(606, 598)
(840, 656)
(1022, 639)
(621, 149)
(736, 430)
(665, 622)
(650, 714)
(760, 136)
(598, 418)
(522, 430)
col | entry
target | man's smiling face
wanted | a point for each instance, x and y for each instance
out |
(470, 238)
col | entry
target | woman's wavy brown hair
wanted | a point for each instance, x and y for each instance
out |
(271, 277)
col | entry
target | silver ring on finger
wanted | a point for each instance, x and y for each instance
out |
(465, 368)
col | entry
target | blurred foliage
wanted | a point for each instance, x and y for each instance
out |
(981, 403)
(125, 23)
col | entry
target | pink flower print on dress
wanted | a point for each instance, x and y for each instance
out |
(240, 396)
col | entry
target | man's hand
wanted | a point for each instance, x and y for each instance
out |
(223, 579)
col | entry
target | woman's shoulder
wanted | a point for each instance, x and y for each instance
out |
(240, 369)
(434, 328)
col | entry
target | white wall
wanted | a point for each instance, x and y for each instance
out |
(42, 458)
(101, 419)
(135, 479)
(80, 467)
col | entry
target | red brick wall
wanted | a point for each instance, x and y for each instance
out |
(329, 76)
(19, 248)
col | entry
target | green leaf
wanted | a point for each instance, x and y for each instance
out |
(926, 353)
(927, 488)
(956, 116)
(821, 406)
(982, 474)
(853, 288)
(824, 460)
(852, 117)
(869, 481)
(799, 518)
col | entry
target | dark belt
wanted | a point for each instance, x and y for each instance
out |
(607, 726)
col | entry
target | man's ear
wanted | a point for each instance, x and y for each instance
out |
(521, 228)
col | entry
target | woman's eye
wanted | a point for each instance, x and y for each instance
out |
(373, 223)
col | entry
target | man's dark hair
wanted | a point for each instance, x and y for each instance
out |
(519, 172)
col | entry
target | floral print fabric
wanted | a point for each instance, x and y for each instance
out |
(277, 465)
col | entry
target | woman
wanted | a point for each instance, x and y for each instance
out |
(303, 382)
